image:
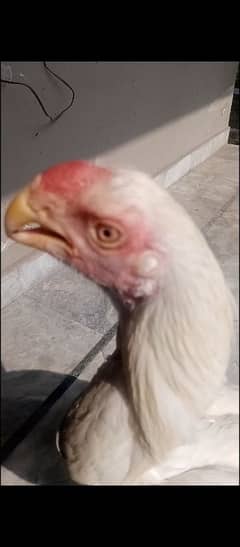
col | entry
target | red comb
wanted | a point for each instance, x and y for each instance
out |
(72, 176)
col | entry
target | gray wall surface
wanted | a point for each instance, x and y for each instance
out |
(143, 115)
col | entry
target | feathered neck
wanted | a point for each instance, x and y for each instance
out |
(175, 349)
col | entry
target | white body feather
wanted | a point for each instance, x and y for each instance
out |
(212, 458)
(151, 421)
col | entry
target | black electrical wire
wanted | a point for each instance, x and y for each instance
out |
(52, 118)
(65, 83)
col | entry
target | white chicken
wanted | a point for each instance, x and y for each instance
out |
(158, 411)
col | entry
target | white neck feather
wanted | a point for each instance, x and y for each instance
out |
(175, 352)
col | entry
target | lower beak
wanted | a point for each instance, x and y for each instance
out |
(18, 220)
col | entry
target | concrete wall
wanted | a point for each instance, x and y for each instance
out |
(144, 115)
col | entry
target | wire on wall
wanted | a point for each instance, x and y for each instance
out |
(57, 116)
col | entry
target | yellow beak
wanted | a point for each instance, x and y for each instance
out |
(18, 214)
(45, 237)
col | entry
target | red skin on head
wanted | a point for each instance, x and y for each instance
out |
(71, 177)
(67, 180)
(116, 267)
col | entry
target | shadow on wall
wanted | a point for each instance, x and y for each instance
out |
(35, 459)
(115, 103)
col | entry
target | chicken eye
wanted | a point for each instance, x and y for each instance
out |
(106, 235)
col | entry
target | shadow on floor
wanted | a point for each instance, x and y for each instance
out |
(35, 458)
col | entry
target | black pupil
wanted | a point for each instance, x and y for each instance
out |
(107, 232)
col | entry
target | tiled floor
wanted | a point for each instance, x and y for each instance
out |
(49, 330)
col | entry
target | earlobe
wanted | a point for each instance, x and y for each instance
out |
(148, 264)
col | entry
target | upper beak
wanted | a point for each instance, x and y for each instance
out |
(20, 214)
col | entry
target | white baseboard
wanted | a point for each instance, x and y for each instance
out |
(35, 266)
(184, 165)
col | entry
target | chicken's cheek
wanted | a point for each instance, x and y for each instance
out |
(104, 271)
(114, 272)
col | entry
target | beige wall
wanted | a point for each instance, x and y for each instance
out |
(144, 115)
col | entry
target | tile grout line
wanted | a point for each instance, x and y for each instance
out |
(219, 213)
(20, 434)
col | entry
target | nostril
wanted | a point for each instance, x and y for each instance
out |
(45, 209)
